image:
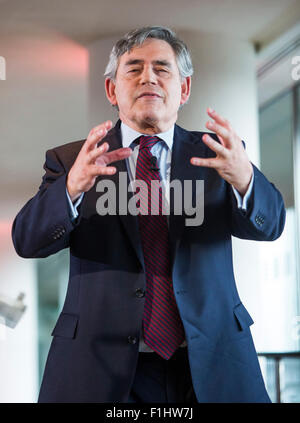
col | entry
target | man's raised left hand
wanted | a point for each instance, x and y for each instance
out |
(231, 161)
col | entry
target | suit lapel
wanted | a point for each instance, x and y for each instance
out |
(129, 221)
(185, 145)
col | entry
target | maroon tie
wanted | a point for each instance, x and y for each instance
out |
(163, 329)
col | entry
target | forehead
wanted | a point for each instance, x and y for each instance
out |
(151, 49)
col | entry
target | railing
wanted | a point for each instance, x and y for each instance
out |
(277, 357)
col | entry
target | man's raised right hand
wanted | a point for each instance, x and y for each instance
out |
(92, 161)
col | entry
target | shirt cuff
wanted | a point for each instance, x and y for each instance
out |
(73, 207)
(242, 201)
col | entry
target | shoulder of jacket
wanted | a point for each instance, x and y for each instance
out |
(66, 153)
(195, 136)
(68, 148)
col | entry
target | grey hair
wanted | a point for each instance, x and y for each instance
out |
(138, 37)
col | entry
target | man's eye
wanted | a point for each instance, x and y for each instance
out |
(133, 70)
(161, 70)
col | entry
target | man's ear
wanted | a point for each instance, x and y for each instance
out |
(185, 89)
(110, 88)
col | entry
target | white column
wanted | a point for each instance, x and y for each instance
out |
(225, 79)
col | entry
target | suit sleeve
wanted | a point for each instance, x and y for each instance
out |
(264, 218)
(43, 225)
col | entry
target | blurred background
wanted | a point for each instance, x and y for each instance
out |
(246, 56)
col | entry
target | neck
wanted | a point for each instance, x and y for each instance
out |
(147, 126)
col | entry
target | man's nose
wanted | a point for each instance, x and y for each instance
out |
(148, 76)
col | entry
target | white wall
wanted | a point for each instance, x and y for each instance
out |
(224, 79)
(99, 108)
(18, 346)
(43, 103)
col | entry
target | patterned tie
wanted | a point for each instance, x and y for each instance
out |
(163, 329)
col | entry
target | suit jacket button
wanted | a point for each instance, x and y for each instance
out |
(132, 339)
(139, 292)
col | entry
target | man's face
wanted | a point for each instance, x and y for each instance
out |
(148, 89)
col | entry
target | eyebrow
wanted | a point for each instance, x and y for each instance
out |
(155, 62)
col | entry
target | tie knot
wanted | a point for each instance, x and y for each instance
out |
(147, 141)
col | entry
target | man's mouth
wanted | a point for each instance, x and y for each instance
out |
(149, 95)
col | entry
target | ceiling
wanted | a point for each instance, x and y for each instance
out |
(86, 20)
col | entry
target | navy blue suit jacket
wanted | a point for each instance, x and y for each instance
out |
(94, 350)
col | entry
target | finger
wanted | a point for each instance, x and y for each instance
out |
(221, 140)
(116, 155)
(94, 139)
(94, 154)
(215, 146)
(96, 170)
(107, 125)
(221, 131)
(218, 118)
(96, 135)
(212, 163)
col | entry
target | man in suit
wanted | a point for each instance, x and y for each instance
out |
(152, 312)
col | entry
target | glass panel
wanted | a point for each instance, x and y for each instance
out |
(276, 145)
(267, 366)
(290, 380)
(278, 259)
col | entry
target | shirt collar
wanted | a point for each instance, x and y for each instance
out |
(129, 135)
